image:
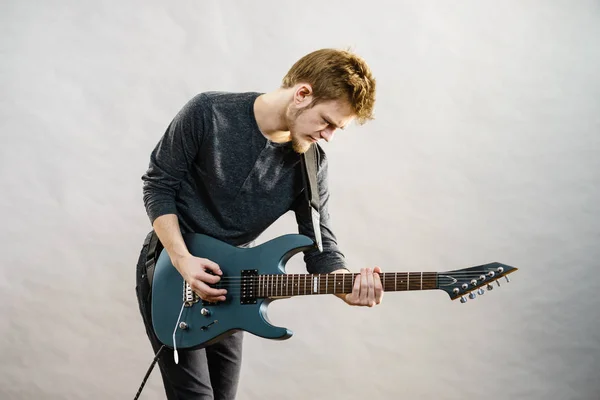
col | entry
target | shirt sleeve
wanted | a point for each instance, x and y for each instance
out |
(172, 158)
(331, 258)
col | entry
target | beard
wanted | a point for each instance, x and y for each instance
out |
(299, 143)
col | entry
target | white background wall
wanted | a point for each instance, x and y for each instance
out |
(485, 148)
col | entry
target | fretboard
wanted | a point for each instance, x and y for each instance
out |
(306, 284)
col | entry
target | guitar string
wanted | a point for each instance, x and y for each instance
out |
(279, 284)
(281, 291)
(232, 289)
(395, 274)
(279, 287)
(280, 281)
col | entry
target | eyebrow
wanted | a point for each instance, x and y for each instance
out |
(326, 118)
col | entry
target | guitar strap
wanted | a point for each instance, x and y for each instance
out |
(310, 162)
(154, 248)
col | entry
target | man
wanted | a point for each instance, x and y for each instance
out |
(228, 166)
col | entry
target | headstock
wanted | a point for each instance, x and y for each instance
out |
(466, 281)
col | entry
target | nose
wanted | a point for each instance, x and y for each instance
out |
(327, 134)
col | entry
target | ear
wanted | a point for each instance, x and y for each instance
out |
(303, 94)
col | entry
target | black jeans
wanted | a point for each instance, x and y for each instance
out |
(209, 373)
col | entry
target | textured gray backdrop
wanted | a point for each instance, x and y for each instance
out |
(485, 148)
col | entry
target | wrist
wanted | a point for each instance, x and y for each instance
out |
(179, 259)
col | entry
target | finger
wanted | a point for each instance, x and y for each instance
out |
(364, 285)
(206, 277)
(378, 285)
(356, 286)
(353, 296)
(206, 291)
(212, 266)
(371, 289)
(215, 299)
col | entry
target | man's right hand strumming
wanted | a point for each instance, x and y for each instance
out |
(194, 271)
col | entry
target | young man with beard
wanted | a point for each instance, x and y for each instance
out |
(228, 166)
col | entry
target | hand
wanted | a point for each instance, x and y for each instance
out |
(367, 290)
(193, 269)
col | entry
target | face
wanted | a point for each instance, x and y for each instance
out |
(310, 124)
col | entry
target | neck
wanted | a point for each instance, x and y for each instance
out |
(270, 113)
(287, 285)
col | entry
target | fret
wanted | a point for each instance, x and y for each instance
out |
(421, 288)
(334, 283)
(326, 282)
(408, 281)
(396, 281)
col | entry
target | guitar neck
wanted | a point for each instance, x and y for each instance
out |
(287, 285)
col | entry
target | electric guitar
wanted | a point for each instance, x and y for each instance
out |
(256, 276)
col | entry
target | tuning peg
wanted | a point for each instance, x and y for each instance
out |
(480, 291)
(507, 280)
(498, 283)
(463, 299)
(490, 287)
(472, 295)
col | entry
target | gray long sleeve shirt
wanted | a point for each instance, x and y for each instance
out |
(216, 171)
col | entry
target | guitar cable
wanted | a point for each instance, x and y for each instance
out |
(148, 372)
(175, 355)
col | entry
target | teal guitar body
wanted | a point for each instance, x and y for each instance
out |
(178, 313)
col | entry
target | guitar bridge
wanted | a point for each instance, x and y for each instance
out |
(189, 296)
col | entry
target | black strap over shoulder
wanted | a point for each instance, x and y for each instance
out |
(154, 248)
(310, 164)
